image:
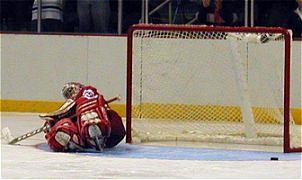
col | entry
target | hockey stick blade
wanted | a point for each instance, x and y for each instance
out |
(7, 136)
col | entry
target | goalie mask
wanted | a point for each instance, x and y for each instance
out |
(71, 89)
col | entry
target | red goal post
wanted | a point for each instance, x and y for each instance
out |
(189, 32)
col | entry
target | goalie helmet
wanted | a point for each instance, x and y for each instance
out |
(71, 89)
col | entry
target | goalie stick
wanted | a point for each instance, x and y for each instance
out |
(11, 140)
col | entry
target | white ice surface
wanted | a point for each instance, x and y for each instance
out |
(27, 161)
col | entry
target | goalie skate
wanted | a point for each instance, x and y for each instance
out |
(95, 134)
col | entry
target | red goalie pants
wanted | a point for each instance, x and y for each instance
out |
(65, 130)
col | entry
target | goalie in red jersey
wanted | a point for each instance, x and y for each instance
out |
(84, 121)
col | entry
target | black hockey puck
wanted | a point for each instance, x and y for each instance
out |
(274, 158)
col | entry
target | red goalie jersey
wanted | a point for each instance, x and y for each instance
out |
(85, 121)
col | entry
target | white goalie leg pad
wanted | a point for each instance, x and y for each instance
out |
(62, 138)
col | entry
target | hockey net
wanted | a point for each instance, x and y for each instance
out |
(210, 84)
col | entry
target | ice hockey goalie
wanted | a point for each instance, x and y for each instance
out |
(84, 121)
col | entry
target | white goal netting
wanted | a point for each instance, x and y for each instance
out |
(209, 86)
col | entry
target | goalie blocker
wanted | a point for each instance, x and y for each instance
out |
(85, 121)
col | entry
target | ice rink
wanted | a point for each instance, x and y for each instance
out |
(33, 159)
